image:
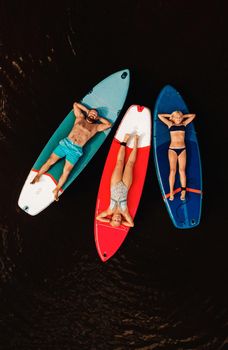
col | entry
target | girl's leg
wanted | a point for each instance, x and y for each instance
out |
(52, 160)
(173, 167)
(182, 166)
(118, 170)
(128, 171)
(66, 171)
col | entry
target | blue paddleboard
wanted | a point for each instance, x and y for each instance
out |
(184, 214)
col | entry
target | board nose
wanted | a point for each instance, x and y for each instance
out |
(124, 74)
(140, 108)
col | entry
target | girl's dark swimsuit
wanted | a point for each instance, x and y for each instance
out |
(178, 150)
(177, 128)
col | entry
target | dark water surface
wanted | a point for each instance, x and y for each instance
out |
(165, 288)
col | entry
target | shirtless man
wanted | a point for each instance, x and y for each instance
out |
(71, 147)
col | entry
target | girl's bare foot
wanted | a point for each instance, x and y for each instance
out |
(56, 194)
(136, 139)
(126, 137)
(36, 179)
(183, 193)
(171, 197)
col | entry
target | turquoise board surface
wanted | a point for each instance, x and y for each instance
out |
(107, 98)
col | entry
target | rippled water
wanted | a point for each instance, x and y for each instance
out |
(164, 289)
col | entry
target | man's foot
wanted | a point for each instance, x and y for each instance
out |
(36, 179)
(56, 194)
(171, 197)
(183, 193)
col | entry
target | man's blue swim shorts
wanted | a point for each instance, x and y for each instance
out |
(66, 148)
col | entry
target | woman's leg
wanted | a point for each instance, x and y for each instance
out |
(118, 170)
(182, 166)
(51, 160)
(128, 171)
(173, 167)
(66, 171)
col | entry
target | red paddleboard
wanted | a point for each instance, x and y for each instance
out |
(137, 119)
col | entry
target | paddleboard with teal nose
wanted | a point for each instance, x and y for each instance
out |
(107, 98)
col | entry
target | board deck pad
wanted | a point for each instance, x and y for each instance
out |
(108, 239)
(184, 214)
(107, 98)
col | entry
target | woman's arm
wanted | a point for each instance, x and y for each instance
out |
(128, 222)
(103, 216)
(165, 115)
(165, 119)
(188, 118)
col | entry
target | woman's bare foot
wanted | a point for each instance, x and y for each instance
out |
(136, 139)
(36, 179)
(126, 137)
(56, 194)
(171, 197)
(183, 193)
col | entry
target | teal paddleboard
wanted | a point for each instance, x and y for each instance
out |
(107, 98)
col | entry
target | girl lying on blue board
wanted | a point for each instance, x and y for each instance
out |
(121, 181)
(176, 122)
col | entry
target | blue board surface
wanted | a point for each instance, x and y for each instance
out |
(184, 214)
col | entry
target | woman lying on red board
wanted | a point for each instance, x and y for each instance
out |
(121, 181)
(176, 122)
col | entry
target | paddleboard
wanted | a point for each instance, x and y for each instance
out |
(108, 239)
(107, 98)
(184, 214)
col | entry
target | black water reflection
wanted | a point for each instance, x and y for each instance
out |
(164, 289)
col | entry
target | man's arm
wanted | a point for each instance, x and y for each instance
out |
(105, 124)
(79, 108)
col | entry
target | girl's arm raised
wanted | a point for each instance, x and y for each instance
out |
(165, 118)
(188, 118)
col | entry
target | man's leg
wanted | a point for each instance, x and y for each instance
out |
(66, 171)
(51, 160)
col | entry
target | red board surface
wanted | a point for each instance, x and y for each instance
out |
(108, 239)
